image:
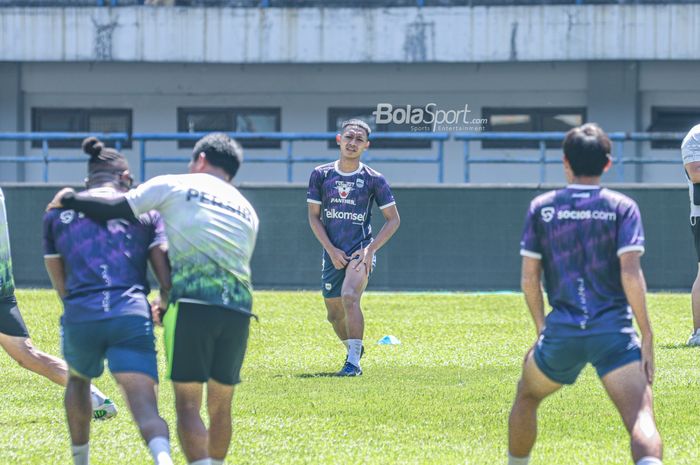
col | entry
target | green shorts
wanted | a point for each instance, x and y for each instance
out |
(205, 342)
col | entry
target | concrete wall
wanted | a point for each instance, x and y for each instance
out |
(451, 238)
(358, 35)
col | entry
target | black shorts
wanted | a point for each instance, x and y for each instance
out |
(205, 342)
(11, 322)
(695, 228)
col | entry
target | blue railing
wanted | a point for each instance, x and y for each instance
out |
(618, 139)
(290, 156)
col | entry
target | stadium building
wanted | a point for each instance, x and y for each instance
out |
(293, 66)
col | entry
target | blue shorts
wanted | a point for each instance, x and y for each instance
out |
(561, 359)
(127, 342)
(332, 278)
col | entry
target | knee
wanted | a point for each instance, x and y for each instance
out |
(334, 318)
(350, 297)
(524, 396)
(645, 435)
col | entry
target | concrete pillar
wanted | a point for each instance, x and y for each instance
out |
(11, 119)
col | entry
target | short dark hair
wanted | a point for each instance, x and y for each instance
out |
(356, 122)
(587, 149)
(221, 151)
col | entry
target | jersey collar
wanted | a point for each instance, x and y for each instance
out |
(583, 187)
(336, 167)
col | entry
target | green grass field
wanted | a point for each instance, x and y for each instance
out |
(442, 396)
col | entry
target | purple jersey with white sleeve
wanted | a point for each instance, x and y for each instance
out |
(579, 233)
(346, 202)
(105, 264)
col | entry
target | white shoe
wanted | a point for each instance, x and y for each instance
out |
(694, 340)
(102, 408)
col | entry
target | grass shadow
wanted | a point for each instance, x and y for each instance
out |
(327, 374)
(676, 346)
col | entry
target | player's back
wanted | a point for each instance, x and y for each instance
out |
(105, 264)
(579, 233)
(211, 232)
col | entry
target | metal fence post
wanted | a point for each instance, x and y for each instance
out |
(441, 161)
(142, 158)
(543, 160)
(290, 161)
(466, 160)
(620, 149)
(45, 154)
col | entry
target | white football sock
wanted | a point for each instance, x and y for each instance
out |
(649, 461)
(81, 454)
(206, 461)
(160, 451)
(518, 460)
(345, 343)
(354, 351)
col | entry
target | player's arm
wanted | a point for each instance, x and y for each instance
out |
(57, 273)
(531, 285)
(338, 257)
(391, 224)
(693, 170)
(160, 264)
(635, 288)
(98, 208)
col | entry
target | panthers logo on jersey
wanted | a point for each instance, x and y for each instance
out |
(344, 188)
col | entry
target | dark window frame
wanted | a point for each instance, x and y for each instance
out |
(84, 115)
(233, 113)
(658, 126)
(537, 114)
(333, 113)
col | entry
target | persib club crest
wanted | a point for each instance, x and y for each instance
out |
(344, 188)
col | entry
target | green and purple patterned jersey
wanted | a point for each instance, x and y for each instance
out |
(105, 264)
(211, 232)
(7, 284)
(579, 233)
(346, 202)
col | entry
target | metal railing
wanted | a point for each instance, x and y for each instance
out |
(289, 159)
(618, 139)
(289, 156)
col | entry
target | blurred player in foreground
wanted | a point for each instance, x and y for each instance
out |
(14, 336)
(99, 271)
(211, 231)
(340, 198)
(690, 150)
(588, 241)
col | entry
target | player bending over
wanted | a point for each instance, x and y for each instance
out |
(211, 232)
(14, 336)
(587, 241)
(340, 198)
(99, 271)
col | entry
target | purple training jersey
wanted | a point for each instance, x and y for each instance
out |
(105, 264)
(346, 202)
(579, 233)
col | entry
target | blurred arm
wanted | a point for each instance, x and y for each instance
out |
(57, 274)
(531, 285)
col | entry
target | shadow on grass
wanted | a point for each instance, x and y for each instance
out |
(676, 346)
(327, 374)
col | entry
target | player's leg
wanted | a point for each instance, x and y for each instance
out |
(533, 387)
(620, 369)
(354, 285)
(695, 304)
(78, 414)
(189, 341)
(15, 340)
(132, 361)
(229, 353)
(331, 286)
(336, 316)
(193, 435)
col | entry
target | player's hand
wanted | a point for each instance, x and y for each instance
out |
(158, 310)
(339, 259)
(366, 257)
(648, 366)
(56, 202)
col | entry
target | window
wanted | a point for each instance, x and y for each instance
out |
(336, 116)
(672, 119)
(530, 120)
(80, 120)
(230, 120)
